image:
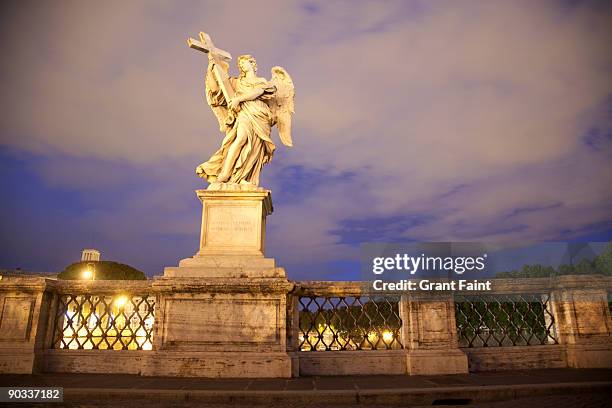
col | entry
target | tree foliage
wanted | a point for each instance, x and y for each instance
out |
(600, 265)
(104, 270)
(603, 263)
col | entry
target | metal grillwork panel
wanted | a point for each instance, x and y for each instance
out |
(504, 320)
(118, 322)
(349, 323)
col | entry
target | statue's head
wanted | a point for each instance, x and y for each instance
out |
(245, 63)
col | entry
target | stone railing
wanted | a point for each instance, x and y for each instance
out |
(521, 323)
(502, 320)
(340, 316)
(66, 325)
(97, 319)
(344, 328)
(559, 321)
(304, 328)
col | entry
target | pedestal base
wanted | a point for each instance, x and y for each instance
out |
(232, 238)
(222, 312)
(209, 266)
(234, 222)
(221, 327)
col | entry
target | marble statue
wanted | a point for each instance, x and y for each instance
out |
(246, 107)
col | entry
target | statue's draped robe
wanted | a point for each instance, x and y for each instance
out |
(255, 117)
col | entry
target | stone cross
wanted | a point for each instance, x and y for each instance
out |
(206, 45)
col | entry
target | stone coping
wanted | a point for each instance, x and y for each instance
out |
(321, 288)
(499, 285)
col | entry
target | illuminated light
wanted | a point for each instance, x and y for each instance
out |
(387, 336)
(121, 301)
(85, 328)
(87, 274)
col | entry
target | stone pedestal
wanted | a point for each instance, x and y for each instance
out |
(232, 237)
(222, 312)
(220, 327)
(431, 335)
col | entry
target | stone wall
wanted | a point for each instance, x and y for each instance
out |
(229, 328)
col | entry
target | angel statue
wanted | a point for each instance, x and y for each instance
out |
(246, 107)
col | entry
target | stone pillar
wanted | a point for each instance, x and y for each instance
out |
(582, 320)
(24, 310)
(222, 312)
(293, 332)
(430, 334)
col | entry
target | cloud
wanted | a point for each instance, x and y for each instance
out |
(483, 120)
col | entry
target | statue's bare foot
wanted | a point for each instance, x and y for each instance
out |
(214, 186)
(222, 178)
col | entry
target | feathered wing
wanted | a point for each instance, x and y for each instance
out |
(215, 98)
(281, 104)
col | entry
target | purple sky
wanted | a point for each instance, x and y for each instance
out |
(415, 120)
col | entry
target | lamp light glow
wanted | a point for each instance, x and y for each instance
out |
(120, 301)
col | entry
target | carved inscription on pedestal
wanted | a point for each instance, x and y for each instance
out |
(232, 225)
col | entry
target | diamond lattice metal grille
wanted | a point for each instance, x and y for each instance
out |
(504, 320)
(121, 322)
(349, 323)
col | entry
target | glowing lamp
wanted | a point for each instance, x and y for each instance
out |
(121, 301)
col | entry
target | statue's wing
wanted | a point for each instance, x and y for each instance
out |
(281, 104)
(215, 98)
